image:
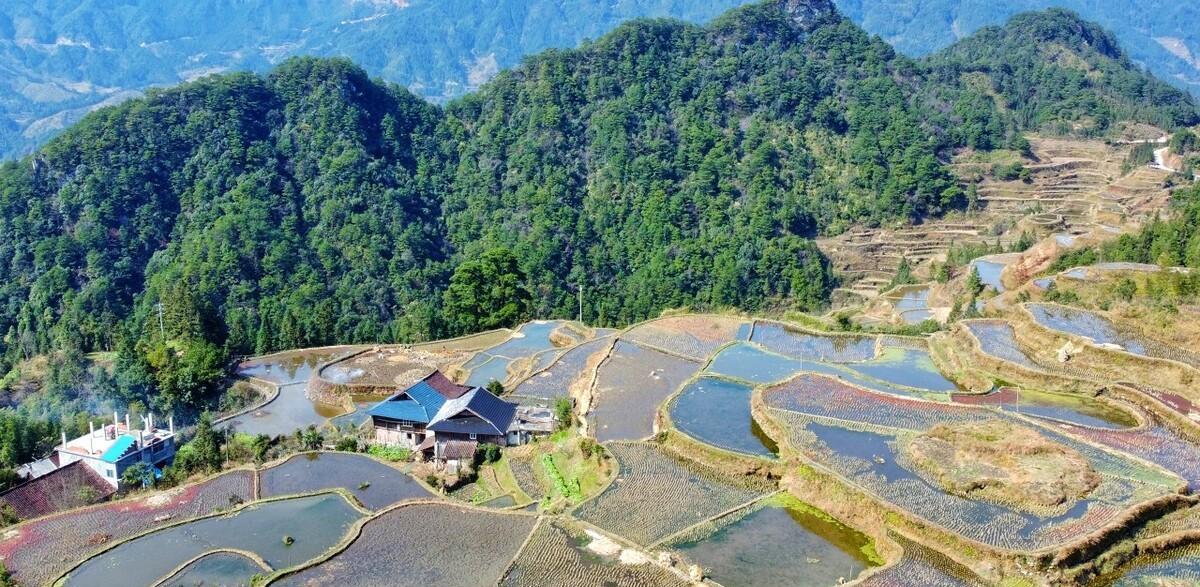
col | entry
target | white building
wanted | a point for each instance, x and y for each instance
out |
(112, 448)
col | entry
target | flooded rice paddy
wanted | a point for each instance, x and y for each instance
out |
(1103, 331)
(913, 304)
(989, 269)
(292, 366)
(717, 412)
(492, 364)
(556, 379)
(906, 367)
(1061, 407)
(749, 362)
(315, 523)
(779, 545)
(630, 385)
(227, 569)
(373, 483)
(290, 410)
(807, 346)
(422, 545)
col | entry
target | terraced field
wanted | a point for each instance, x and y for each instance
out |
(850, 407)
(37, 551)
(316, 524)
(558, 555)
(555, 379)
(630, 385)
(856, 434)
(1073, 186)
(691, 337)
(684, 494)
(425, 544)
(372, 483)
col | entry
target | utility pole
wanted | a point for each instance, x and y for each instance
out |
(581, 302)
(161, 331)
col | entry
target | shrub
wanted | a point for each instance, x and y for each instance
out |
(588, 448)
(495, 388)
(138, 476)
(486, 453)
(347, 444)
(1009, 171)
(8, 517)
(564, 413)
(389, 453)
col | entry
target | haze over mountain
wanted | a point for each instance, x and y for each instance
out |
(62, 59)
(664, 165)
(1159, 34)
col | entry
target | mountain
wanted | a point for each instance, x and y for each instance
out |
(664, 164)
(1054, 72)
(1159, 34)
(63, 59)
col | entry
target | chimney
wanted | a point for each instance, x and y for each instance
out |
(150, 422)
(116, 422)
(127, 428)
(64, 439)
(171, 424)
(91, 437)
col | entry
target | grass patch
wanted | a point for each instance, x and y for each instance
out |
(563, 469)
(389, 453)
(789, 501)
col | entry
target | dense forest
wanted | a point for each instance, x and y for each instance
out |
(665, 164)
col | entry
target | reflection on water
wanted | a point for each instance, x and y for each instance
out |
(989, 273)
(290, 410)
(218, 568)
(908, 367)
(717, 412)
(315, 523)
(780, 546)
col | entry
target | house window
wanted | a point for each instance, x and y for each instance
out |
(473, 436)
(108, 472)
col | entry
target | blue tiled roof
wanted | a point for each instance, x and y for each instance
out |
(118, 448)
(417, 404)
(400, 410)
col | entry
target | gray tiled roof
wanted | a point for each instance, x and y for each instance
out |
(491, 415)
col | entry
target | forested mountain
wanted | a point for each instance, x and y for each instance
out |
(664, 164)
(62, 59)
(1053, 72)
(1159, 34)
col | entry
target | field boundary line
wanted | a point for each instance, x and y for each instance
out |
(272, 396)
(253, 556)
(666, 539)
(356, 532)
(521, 550)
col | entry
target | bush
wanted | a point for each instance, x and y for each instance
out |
(389, 453)
(347, 444)
(496, 388)
(588, 448)
(138, 476)
(1009, 171)
(487, 453)
(564, 413)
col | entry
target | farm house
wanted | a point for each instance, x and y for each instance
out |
(115, 447)
(446, 422)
